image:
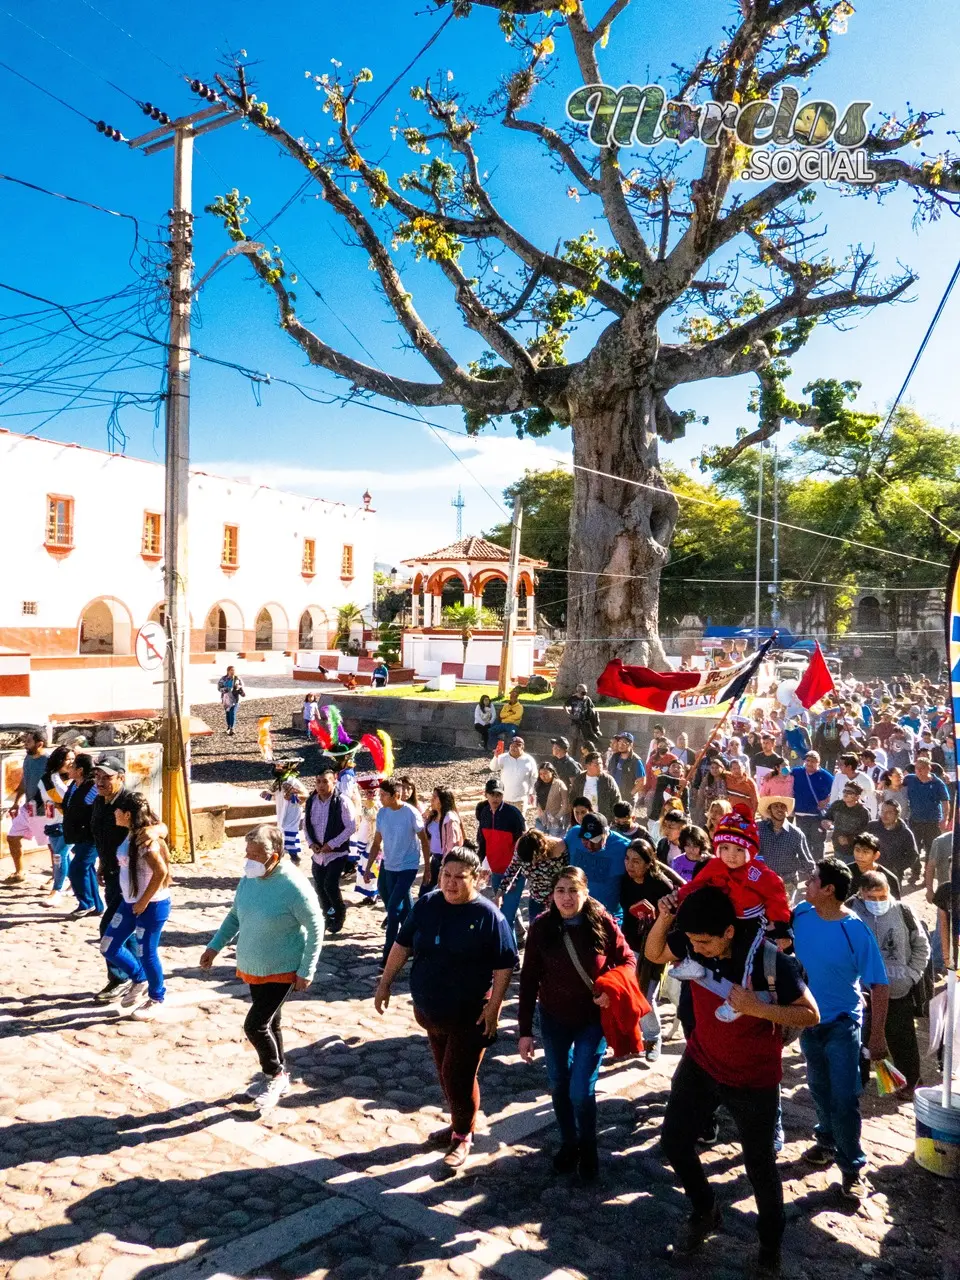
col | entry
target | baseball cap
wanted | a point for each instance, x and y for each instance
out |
(561, 742)
(494, 787)
(109, 764)
(593, 827)
(627, 737)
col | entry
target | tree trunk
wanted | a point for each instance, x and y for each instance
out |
(619, 538)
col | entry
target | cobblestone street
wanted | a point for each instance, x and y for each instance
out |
(128, 1149)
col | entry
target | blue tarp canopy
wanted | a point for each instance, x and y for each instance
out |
(785, 639)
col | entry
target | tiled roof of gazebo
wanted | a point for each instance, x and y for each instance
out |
(472, 548)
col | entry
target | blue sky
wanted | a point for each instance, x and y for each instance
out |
(68, 253)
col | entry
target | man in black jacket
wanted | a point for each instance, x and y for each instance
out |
(329, 824)
(108, 774)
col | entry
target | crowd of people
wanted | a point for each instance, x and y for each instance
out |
(753, 889)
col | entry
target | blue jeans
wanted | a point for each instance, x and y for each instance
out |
(832, 1052)
(396, 891)
(573, 1063)
(83, 876)
(511, 900)
(60, 852)
(230, 714)
(504, 732)
(145, 930)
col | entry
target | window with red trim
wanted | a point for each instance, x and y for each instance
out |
(59, 521)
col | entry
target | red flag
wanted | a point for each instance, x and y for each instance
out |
(816, 682)
(680, 693)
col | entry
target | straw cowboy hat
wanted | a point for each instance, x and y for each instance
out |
(764, 803)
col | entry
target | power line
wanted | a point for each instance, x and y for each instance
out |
(130, 36)
(381, 98)
(906, 382)
(746, 582)
(67, 54)
(50, 94)
(923, 511)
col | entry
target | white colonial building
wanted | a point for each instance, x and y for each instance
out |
(81, 533)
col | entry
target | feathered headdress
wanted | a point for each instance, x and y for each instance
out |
(380, 746)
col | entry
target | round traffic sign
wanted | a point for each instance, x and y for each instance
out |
(151, 646)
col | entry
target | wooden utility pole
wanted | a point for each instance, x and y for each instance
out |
(179, 134)
(510, 611)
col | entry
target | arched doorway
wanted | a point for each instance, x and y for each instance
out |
(868, 614)
(494, 595)
(312, 629)
(264, 632)
(452, 592)
(105, 628)
(223, 628)
(270, 629)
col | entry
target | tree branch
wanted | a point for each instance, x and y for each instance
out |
(555, 143)
(439, 359)
(483, 321)
(624, 229)
(602, 29)
(495, 398)
(745, 349)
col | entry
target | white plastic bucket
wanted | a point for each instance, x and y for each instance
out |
(938, 1134)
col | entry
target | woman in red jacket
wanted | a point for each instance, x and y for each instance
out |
(568, 948)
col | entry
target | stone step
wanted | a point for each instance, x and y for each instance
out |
(242, 826)
(258, 809)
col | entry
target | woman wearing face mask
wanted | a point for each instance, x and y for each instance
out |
(905, 948)
(276, 923)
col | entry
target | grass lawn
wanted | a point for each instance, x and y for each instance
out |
(462, 693)
(472, 693)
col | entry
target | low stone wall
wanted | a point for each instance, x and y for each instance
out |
(451, 723)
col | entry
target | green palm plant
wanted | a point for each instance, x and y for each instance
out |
(348, 615)
(465, 618)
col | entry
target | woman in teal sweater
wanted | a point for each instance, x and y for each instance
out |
(277, 926)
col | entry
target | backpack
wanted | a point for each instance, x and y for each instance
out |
(921, 993)
(788, 1034)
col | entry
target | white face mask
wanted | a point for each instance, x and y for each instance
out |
(878, 908)
(254, 869)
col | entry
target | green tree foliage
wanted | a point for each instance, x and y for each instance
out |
(547, 497)
(861, 483)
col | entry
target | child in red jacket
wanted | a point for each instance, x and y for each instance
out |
(757, 893)
(751, 886)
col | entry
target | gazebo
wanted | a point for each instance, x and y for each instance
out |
(471, 571)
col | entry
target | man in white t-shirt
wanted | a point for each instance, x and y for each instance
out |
(518, 773)
(848, 770)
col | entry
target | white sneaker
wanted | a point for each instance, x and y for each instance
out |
(257, 1086)
(135, 995)
(275, 1088)
(687, 970)
(147, 1012)
(52, 899)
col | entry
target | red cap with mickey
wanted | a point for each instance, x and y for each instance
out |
(738, 828)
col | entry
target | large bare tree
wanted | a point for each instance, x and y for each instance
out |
(694, 274)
